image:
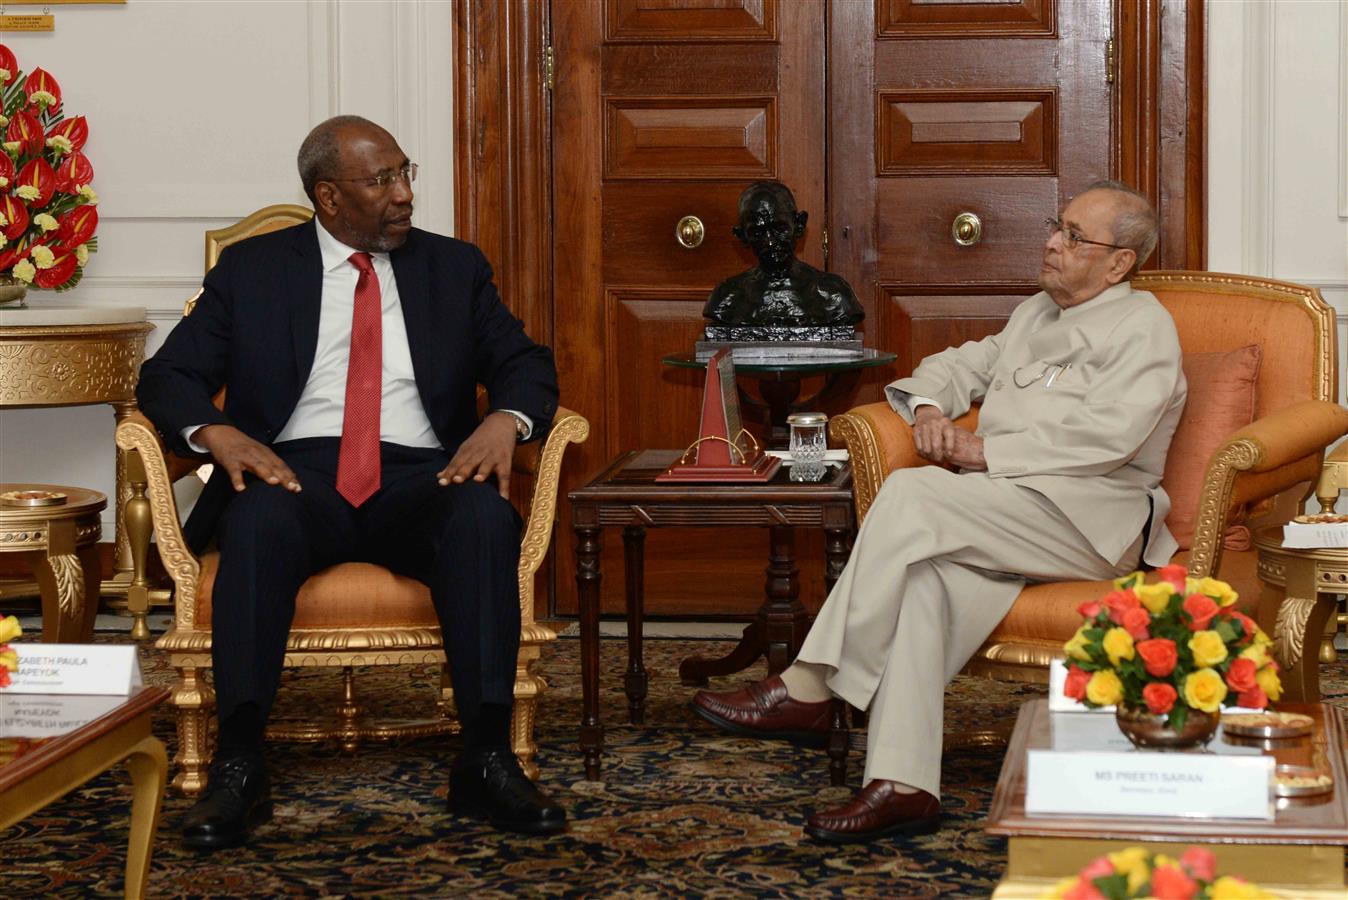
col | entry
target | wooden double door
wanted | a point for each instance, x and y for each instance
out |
(927, 139)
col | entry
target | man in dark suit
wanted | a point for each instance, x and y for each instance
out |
(351, 347)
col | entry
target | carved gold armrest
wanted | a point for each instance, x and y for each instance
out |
(568, 427)
(1262, 459)
(152, 486)
(878, 441)
(1333, 477)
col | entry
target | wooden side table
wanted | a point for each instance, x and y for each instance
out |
(66, 355)
(44, 774)
(625, 494)
(1297, 603)
(60, 544)
(1300, 852)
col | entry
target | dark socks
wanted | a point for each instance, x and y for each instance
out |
(488, 730)
(241, 732)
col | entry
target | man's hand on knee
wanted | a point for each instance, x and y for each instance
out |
(237, 453)
(488, 451)
(967, 452)
(933, 434)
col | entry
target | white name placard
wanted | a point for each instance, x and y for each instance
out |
(50, 715)
(1148, 783)
(75, 669)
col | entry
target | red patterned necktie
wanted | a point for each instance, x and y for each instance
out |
(358, 457)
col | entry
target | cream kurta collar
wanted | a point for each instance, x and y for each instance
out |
(1122, 289)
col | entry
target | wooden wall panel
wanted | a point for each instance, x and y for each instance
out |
(965, 18)
(638, 233)
(657, 401)
(967, 132)
(690, 20)
(916, 325)
(640, 69)
(694, 138)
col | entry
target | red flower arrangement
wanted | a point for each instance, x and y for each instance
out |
(47, 214)
(1169, 647)
(1136, 872)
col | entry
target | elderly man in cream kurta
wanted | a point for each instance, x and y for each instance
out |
(1081, 393)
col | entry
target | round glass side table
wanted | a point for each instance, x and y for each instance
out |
(779, 383)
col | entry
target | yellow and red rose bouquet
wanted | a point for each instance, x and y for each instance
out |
(1169, 647)
(1136, 872)
(47, 214)
(9, 659)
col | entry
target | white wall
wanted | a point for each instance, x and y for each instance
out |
(1278, 144)
(196, 109)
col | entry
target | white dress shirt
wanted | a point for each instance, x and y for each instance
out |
(322, 403)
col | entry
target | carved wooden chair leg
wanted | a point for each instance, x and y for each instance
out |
(838, 739)
(194, 701)
(522, 733)
(348, 713)
(137, 524)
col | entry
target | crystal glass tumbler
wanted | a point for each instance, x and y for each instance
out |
(808, 443)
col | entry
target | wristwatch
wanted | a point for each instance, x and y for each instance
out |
(521, 426)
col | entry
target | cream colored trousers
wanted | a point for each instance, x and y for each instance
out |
(937, 563)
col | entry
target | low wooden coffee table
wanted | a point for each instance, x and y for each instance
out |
(1301, 852)
(55, 766)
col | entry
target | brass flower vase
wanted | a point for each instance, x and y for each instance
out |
(12, 291)
(1149, 731)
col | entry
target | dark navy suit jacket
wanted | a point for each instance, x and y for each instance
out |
(255, 329)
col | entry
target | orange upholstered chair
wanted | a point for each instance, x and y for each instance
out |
(354, 614)
(1258, 350)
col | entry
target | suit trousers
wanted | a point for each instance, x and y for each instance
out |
(462, 541)
(936, 564)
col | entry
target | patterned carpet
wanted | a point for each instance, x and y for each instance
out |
(682, 811)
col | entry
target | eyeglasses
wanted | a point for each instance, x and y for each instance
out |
(385, 179)
(1070, 237)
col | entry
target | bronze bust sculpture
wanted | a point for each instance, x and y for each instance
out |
(781, 292)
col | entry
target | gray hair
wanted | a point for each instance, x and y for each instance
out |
(1135, 224)
(320, 153)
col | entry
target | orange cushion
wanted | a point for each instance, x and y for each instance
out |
(1221, 402)
(343, 596)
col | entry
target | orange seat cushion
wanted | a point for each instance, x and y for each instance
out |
(1221, 402)
(1047, 613)
(349, 595)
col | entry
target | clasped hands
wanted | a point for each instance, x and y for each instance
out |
(487, 451)
(942, 441)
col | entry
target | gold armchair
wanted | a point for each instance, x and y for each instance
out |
(353, 614)
(1295, 419)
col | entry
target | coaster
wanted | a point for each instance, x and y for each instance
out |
(25, 499)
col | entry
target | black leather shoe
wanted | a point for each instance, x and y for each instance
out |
(490, 785)
(237, 799)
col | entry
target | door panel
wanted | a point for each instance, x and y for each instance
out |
(955, 107)
(665, 109)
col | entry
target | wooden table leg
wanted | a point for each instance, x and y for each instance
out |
(1298, 628)
(836, 551)
(635, 681)
(148, 764)
(61, 582)
(779, 628)
(587, 589)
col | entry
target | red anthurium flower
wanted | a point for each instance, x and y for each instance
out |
(1159, 696)
(40, 175)
(39, 86)
(6, 172)
(1201, 608)
(24, 128)
(77, 226)
(16, 216)
(62, 267)
(8, 63)
(74, 170)
(75, 130)
(1254, 698)
(10, 255)
(1240, 677)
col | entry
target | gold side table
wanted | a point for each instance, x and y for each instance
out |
(54, 355)
(1298, 601)
(60, 544)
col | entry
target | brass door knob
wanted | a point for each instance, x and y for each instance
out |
(690, 232)
(967, 229)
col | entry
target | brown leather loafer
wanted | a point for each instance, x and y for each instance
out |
(878, 810)
(765, 710)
